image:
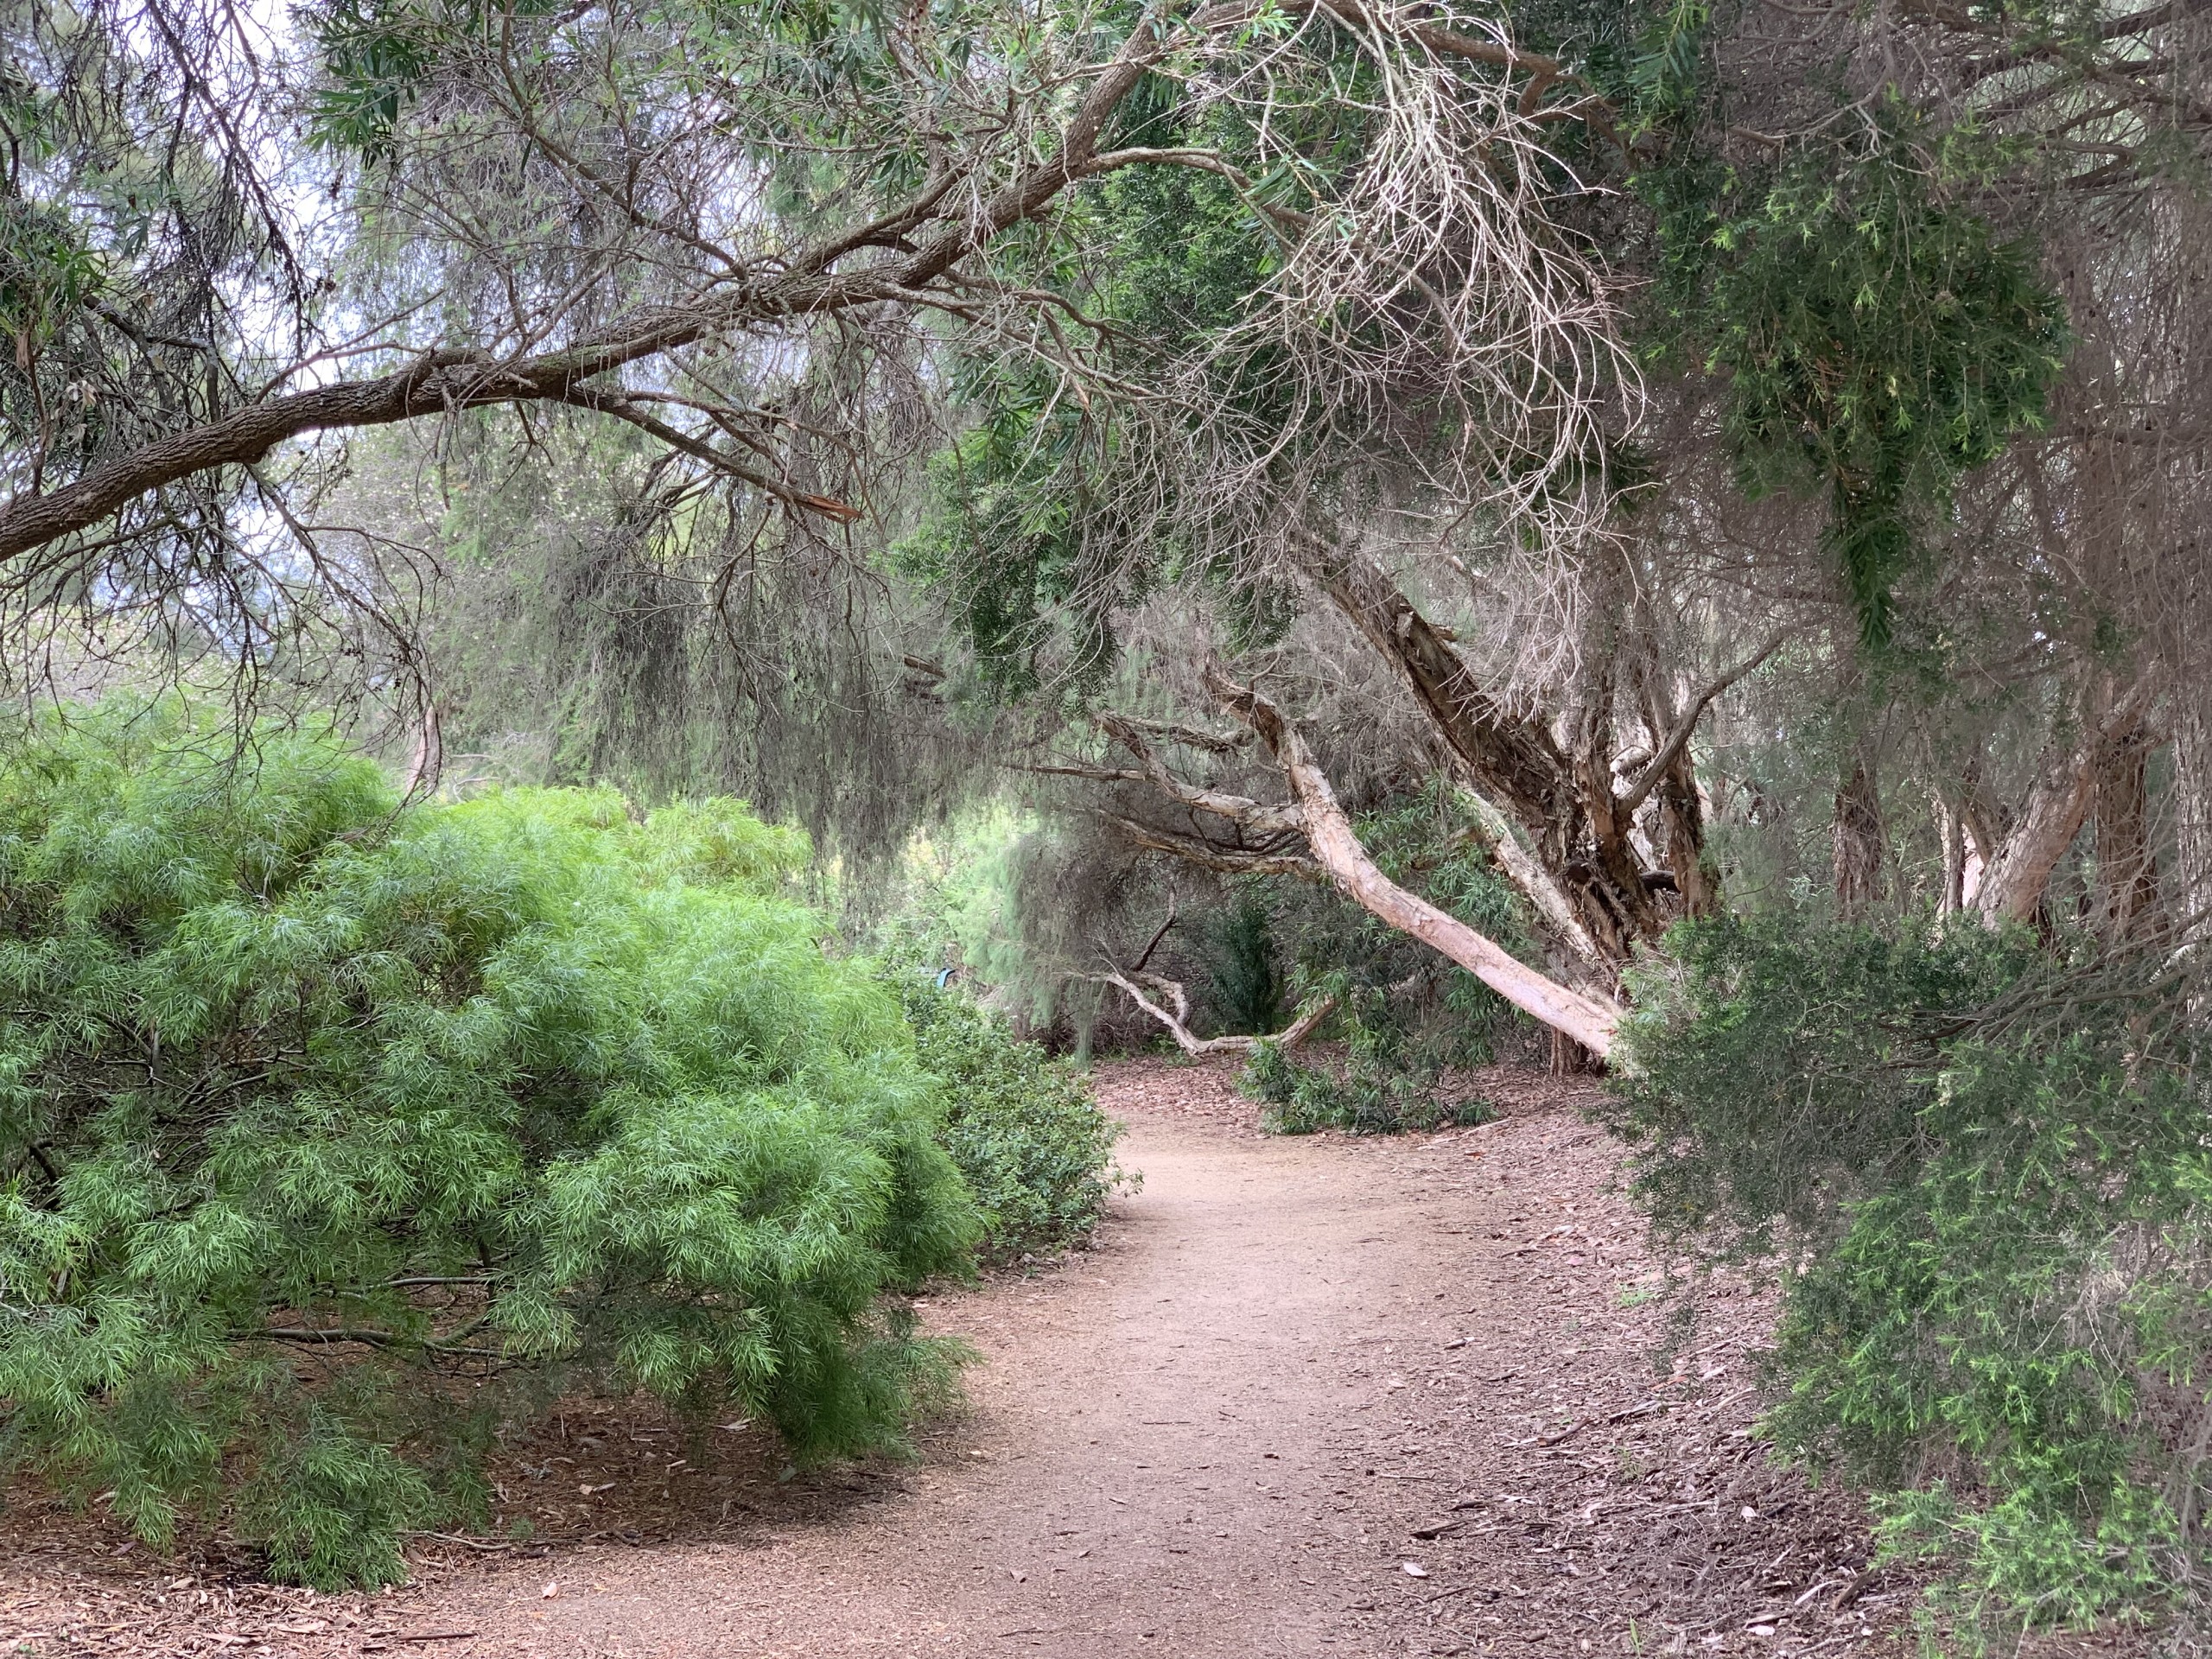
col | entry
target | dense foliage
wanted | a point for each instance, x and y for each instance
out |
(1985, 1158)
(1391, 1080)
(1025, 1129)
(331, 1134)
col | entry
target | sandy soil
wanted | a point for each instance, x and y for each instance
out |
(1305, 1396)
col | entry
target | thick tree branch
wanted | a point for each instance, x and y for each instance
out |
(2057, 806)
(1259, 818)
(440, 381)
(1514, 762)
(1330, 834)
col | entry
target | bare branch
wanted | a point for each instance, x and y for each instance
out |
(1212, 855)
(1677, 739)
(1178, 1024)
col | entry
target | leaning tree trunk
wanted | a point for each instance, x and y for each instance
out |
(2057, 806)
(1337, 848)
(1562, 803)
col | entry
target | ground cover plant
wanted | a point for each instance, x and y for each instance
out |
(1391, 1078)
(333, 1135)
(1982, 1157)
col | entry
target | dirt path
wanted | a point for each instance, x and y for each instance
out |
(1305, 1396)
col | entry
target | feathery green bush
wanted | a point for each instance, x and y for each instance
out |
(1023, 1128)
(332, 1134)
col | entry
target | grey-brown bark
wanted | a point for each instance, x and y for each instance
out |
(1860, 840)
(2058, 805)
(1562, 802)
(2126, 895)
(1337, 848)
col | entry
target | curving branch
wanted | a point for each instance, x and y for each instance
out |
(2019, 872)
(444, 381)
(1686, 728)
(1337, 848)
(1178, 1022)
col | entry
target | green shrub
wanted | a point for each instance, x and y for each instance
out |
(333, 1135)
(1985, 1159)
(1244, 986)
(1024, 1130)
(1393, 1080)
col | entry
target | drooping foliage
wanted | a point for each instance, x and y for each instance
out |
(1875, 337)
(1987, 1154)
(333, 1135)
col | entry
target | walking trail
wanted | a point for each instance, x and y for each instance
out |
(1303, 1397)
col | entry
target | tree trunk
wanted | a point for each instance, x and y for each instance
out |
(2012, 888)
(1682, 829)
(2192, 815)
(2127, 867)
(1861, 843)
(1952, 831)
(1337, 848)
(1563, 803)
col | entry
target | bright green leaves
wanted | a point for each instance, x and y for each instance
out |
(468, 1103)
(1665, 76)
(1874, 338)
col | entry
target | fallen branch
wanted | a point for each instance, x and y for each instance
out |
(1177, 1023)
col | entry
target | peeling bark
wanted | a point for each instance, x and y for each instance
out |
(2127, 864)
(1564, 803)
(1861, 843)
(2019, 875)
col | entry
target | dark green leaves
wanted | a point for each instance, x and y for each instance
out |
(1984, 1163)
(1875, 337)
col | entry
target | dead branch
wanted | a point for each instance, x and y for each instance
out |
(1178, 1022)
(1686, 728)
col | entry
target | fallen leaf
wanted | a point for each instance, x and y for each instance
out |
(549, 1592)
(1413, 1569)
